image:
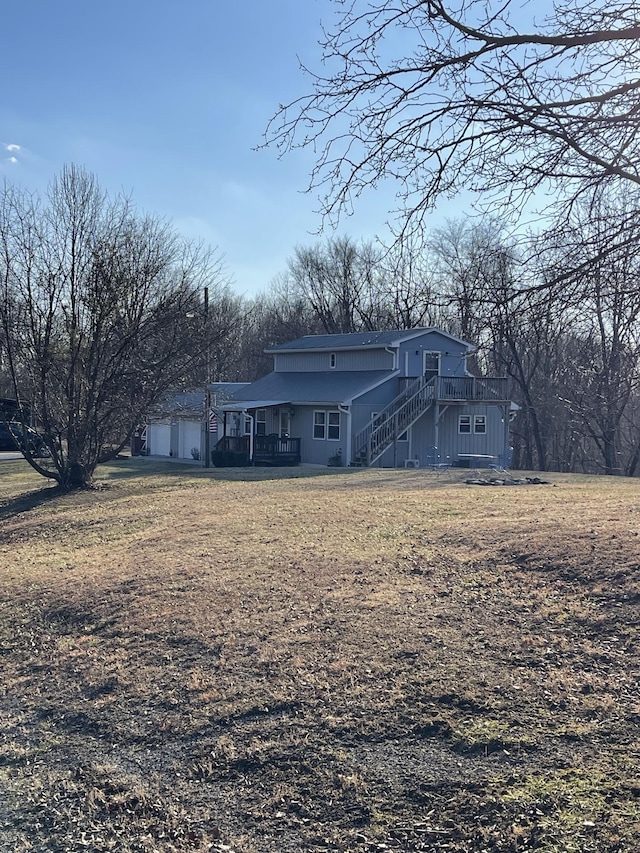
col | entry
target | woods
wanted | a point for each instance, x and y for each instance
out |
(102, 311)
(571, 351)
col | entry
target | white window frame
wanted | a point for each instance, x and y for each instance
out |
(479, 424)
(332, 427)
(261, 421)
(464, 420)
(332, 360)
(425, 356)
(320, 424)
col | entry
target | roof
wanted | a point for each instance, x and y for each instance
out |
(224, 391)
(243, 405)
(180, 404)
(358, 340)
(191, 404)
(323, 386)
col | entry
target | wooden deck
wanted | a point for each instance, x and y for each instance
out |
(477, 389)
(268, 450)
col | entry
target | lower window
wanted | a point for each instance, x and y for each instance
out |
(326, 425)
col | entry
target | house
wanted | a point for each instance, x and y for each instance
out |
(389, 399)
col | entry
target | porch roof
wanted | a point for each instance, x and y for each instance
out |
(323, 386)
(241, 406)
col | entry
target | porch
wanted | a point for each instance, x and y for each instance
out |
(267, 450)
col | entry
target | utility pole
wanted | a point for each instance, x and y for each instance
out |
(207, 396)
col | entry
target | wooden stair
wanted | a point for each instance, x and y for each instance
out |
(380, 433)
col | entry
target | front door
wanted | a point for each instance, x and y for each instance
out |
(431, 365)
(285, 423)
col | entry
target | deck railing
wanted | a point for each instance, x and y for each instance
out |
(371, 442)
(267, 450)
(490, 389)
(274, 450)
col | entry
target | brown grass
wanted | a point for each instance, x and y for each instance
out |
(318, 660)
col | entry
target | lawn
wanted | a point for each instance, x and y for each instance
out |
(318, 660)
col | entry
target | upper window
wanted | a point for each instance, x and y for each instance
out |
(332, 360)
(479, 424)
(464, 424)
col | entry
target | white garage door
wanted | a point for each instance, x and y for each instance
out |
(159, 439)
(189, 438)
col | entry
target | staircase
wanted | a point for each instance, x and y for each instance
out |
(380, 433)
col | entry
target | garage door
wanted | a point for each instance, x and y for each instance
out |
(159, 439)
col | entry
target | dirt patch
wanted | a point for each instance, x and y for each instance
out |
(356, 662)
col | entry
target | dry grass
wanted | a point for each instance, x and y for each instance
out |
(318, 660)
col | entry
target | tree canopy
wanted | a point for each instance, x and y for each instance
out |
(101, 312)
(497, 98)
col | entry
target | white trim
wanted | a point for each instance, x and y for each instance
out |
(477, 419)
(469, 424)
(322, 437)
(329, 424)
(427, 352)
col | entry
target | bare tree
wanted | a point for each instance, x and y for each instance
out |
(340, 281)
(493, 98)
(608, 359)
(280, 314)
(101, 311)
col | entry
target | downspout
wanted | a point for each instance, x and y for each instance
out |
(346, 410)
(506, 436)
(394, 353)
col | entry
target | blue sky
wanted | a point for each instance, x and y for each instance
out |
(166, 100)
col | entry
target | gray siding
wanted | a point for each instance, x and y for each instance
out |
(491, 443)
(375, 359)
(316, 451)
(452, 355)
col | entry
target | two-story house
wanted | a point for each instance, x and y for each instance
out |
(390, 399)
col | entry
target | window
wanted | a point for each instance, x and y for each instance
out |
(464, 424)
(479, 424)
(326, 425)
(334, 426)
(261, 422)
(332, 360)
(404, 436)
(247, 426)
(319, 424)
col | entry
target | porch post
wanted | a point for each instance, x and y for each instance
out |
(346, 410)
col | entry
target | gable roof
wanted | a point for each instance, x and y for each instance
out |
(191, 404)
(322, 386)
(358, 340)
